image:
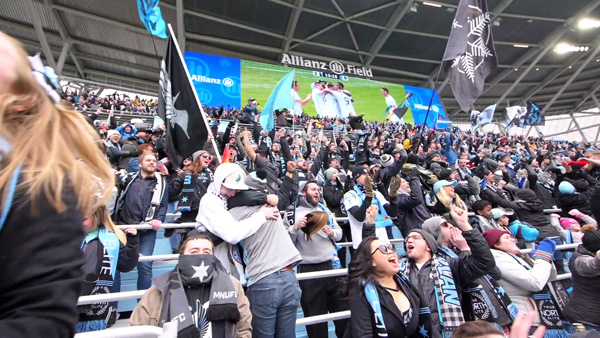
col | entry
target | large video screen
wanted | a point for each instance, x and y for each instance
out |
(231, 82)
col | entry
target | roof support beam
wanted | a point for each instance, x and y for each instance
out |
(180, 24)
(389, 27)
(62, 58)
(578, 127)
(355, 43)
(317, 33)
(590, 57)
(550, 77)
(532, 65)
(596, 102)
(291, 28)
(587, 95)
(39, 31)
(64, 33)
(550, 40)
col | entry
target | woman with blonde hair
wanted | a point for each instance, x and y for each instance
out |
(106, 249)
(446, 197)
(46, 187)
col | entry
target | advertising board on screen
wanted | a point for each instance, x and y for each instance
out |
(230, 82)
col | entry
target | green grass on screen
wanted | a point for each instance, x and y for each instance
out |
(259, 79)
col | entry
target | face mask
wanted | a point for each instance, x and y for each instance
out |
(196, 270)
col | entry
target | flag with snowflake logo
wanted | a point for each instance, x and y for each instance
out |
(470, 51)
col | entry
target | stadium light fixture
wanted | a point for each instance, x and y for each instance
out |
(588, 23)
(432, 4)
(563, 48)
(521, 46)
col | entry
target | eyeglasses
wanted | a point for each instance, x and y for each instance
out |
(207, 156)
(385, 249)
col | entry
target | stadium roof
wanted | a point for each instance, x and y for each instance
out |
(402, 41)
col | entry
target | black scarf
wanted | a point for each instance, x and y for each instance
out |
(197, 272)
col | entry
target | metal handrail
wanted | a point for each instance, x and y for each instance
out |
(127, 295)
(169, 330)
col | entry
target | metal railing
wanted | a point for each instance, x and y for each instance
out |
(169, 330)
(129, 295)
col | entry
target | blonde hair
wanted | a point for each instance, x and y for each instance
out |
(66, 157)
(446, 200)
(101, 217)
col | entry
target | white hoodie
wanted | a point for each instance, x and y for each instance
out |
(214, 217)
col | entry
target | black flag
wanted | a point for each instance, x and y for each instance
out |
(400, 111)
(471, 51)
(186, 130)
(534, 116)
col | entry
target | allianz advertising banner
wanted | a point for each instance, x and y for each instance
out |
(216, 78)
(231, 82)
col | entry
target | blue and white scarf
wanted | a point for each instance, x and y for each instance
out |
(382, 219)
(424, 324)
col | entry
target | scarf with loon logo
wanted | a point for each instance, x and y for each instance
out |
(193, 273)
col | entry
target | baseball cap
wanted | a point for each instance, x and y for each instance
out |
(499, 212)
(250, 99)
(443, 183)
(235, 181)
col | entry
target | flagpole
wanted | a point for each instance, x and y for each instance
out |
(437, 78)
(187, 74)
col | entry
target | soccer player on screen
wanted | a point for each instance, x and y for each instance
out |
(392, 105)
(298, 102)
(324, 100)
(344, 101)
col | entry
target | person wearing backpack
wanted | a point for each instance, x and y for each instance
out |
(143, 199)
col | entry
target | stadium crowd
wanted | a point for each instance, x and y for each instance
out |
(279, 205)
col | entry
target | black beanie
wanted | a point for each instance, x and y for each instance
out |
(445, 174)
(413, 159)
(591, 239)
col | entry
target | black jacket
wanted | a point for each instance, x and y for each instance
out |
(203, 180)
(465, 270)
(412, 211)
(362, 323)
(40, 270)
(333, 195)
(532, 213)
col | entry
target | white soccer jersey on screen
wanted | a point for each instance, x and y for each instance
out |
(317, 97)
(389, 100)
(297, 105)
(344, 103)
(330, 108)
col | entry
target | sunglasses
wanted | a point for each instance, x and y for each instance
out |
(385, 249)
(207, 156)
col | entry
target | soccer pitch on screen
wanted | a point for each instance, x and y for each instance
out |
(259, 79)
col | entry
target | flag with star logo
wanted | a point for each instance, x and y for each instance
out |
(186, 129)
(470, 54)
